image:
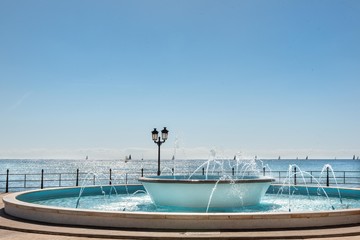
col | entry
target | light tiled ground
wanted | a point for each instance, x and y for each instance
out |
(12, 235)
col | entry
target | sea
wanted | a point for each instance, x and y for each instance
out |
(23, 166)
(56, 169)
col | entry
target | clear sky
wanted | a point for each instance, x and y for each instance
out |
(93, 77)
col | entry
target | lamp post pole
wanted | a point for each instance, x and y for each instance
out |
(157, 139)
(159, 144)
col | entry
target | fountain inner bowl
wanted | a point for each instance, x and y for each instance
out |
(205, 191)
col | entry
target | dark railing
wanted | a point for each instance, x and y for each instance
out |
(10, 182)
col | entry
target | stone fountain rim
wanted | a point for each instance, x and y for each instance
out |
(147, 220)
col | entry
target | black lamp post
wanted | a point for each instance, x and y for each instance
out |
(157, 140)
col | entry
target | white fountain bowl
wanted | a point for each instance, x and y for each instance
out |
(200, 192)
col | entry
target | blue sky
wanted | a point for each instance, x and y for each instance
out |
(94, 78)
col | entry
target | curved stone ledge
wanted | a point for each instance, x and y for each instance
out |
(204, 221)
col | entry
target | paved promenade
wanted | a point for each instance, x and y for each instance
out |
(16, 229)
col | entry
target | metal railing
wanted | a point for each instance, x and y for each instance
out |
(10, 182)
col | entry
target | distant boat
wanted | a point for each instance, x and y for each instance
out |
(127, 158)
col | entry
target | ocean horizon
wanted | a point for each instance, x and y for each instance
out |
(63, 165)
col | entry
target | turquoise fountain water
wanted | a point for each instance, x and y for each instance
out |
(139, 201)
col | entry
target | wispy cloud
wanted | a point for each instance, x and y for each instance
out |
(20, 101)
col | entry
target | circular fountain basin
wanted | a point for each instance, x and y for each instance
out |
(205, 192)
(22, 205)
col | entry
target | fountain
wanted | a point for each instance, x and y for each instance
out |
(215, 191)
(199, 192)
(213, 200)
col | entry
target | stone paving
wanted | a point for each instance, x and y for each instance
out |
(16, 229)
